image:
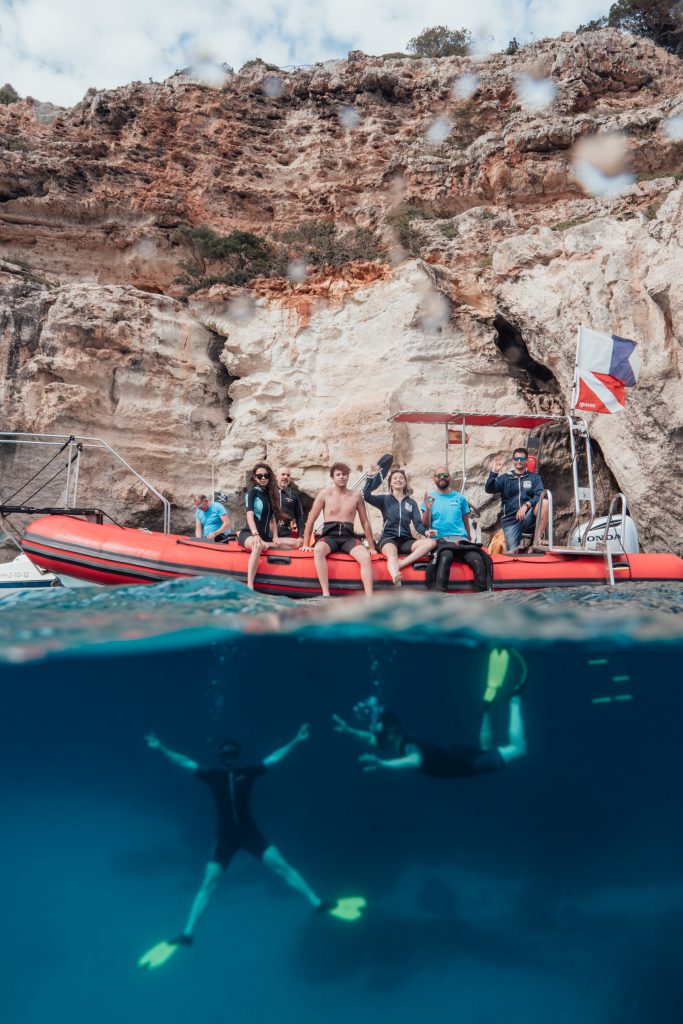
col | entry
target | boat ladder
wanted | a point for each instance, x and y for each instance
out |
(603, 548)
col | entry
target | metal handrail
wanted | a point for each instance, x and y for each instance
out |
(18, 437)
(607, 550)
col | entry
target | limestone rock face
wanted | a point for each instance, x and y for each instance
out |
(113, 363)
(495, 255)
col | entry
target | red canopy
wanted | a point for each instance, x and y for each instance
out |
(519, 421)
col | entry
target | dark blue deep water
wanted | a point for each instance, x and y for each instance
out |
(549, 892)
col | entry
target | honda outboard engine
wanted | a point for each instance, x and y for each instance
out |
(622, 536)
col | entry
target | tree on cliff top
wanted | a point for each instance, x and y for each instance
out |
(440, 41)
(8, 94)
(658, 20)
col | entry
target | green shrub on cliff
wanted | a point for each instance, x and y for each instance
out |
(8, 94)
(440, 41)
(318, 244)
(236, 258)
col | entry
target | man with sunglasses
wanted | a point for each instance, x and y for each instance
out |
(212, 521)
(445, 512)
(520, 491)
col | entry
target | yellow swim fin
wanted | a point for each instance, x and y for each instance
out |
(348, 909)
(163, 951)
(499, 660)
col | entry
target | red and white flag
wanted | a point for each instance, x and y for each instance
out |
(605, 366)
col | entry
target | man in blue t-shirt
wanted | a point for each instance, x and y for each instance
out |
(445, 512)
(211, 518)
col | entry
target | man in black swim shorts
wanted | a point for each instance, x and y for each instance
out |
(339, 507)
(230, 786)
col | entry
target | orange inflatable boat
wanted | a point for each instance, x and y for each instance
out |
(109, 554)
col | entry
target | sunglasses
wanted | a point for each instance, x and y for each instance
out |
(262, 476)
(442, 476)
(519, 458)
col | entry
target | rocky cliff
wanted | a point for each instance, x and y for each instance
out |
(488, 246)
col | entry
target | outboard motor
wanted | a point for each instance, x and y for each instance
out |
(622, 536)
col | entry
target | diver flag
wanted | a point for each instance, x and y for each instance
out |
(605, 366)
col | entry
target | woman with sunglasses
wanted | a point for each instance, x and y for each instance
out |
(399, 511)
(262, 508)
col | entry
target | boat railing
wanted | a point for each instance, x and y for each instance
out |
(602, 549)
(75, 446)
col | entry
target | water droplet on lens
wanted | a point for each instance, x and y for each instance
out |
(349, 117)
(439, 130)
(241, 309)
(673, 128)
(601, 165)
(297, 271)
(273, 86)
(464, 88)
(535, 93)
(435, 312)
(146, 248)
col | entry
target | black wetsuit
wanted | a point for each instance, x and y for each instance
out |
(290, 505)
(397, 515)
(258, 502)
(453, 762)
(236, 829)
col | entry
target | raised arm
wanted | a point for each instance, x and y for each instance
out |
(365, 523)
(371, 762)
(371, 484)
(282, 752)
(427, 514)
(364, 735)
(180, 759)
(316, 509)
(494, 483)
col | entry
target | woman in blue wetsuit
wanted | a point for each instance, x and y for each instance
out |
(263, 506)
(399, 511)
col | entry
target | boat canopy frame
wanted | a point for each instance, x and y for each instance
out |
(577, 428)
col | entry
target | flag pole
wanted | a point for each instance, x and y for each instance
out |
(575, 388)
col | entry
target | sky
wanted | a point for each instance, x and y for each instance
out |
(57, 51)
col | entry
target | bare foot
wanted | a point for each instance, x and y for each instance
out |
(398, 578)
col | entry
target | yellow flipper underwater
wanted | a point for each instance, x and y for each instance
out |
(157, 955)
(348, 909)
(499, 661)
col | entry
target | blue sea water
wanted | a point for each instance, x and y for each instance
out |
(550, 891)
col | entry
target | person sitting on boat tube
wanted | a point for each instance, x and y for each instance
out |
(263, 507)
(339, 507)
(212, 521)
(230, 784)
(520, 492)
(291, 515)
(397, 751)
(399, 511)
(444, 511)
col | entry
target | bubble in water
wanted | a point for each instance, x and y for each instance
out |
(349, 117)
(297, 271)
(601, 165)
(535, 93)
(435, 312)
(241, 309)
(673, 128)
(439, 130)
(146, 248)
(464, 88)
(273, 86)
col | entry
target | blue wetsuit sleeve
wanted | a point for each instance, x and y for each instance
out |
(494, 484)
